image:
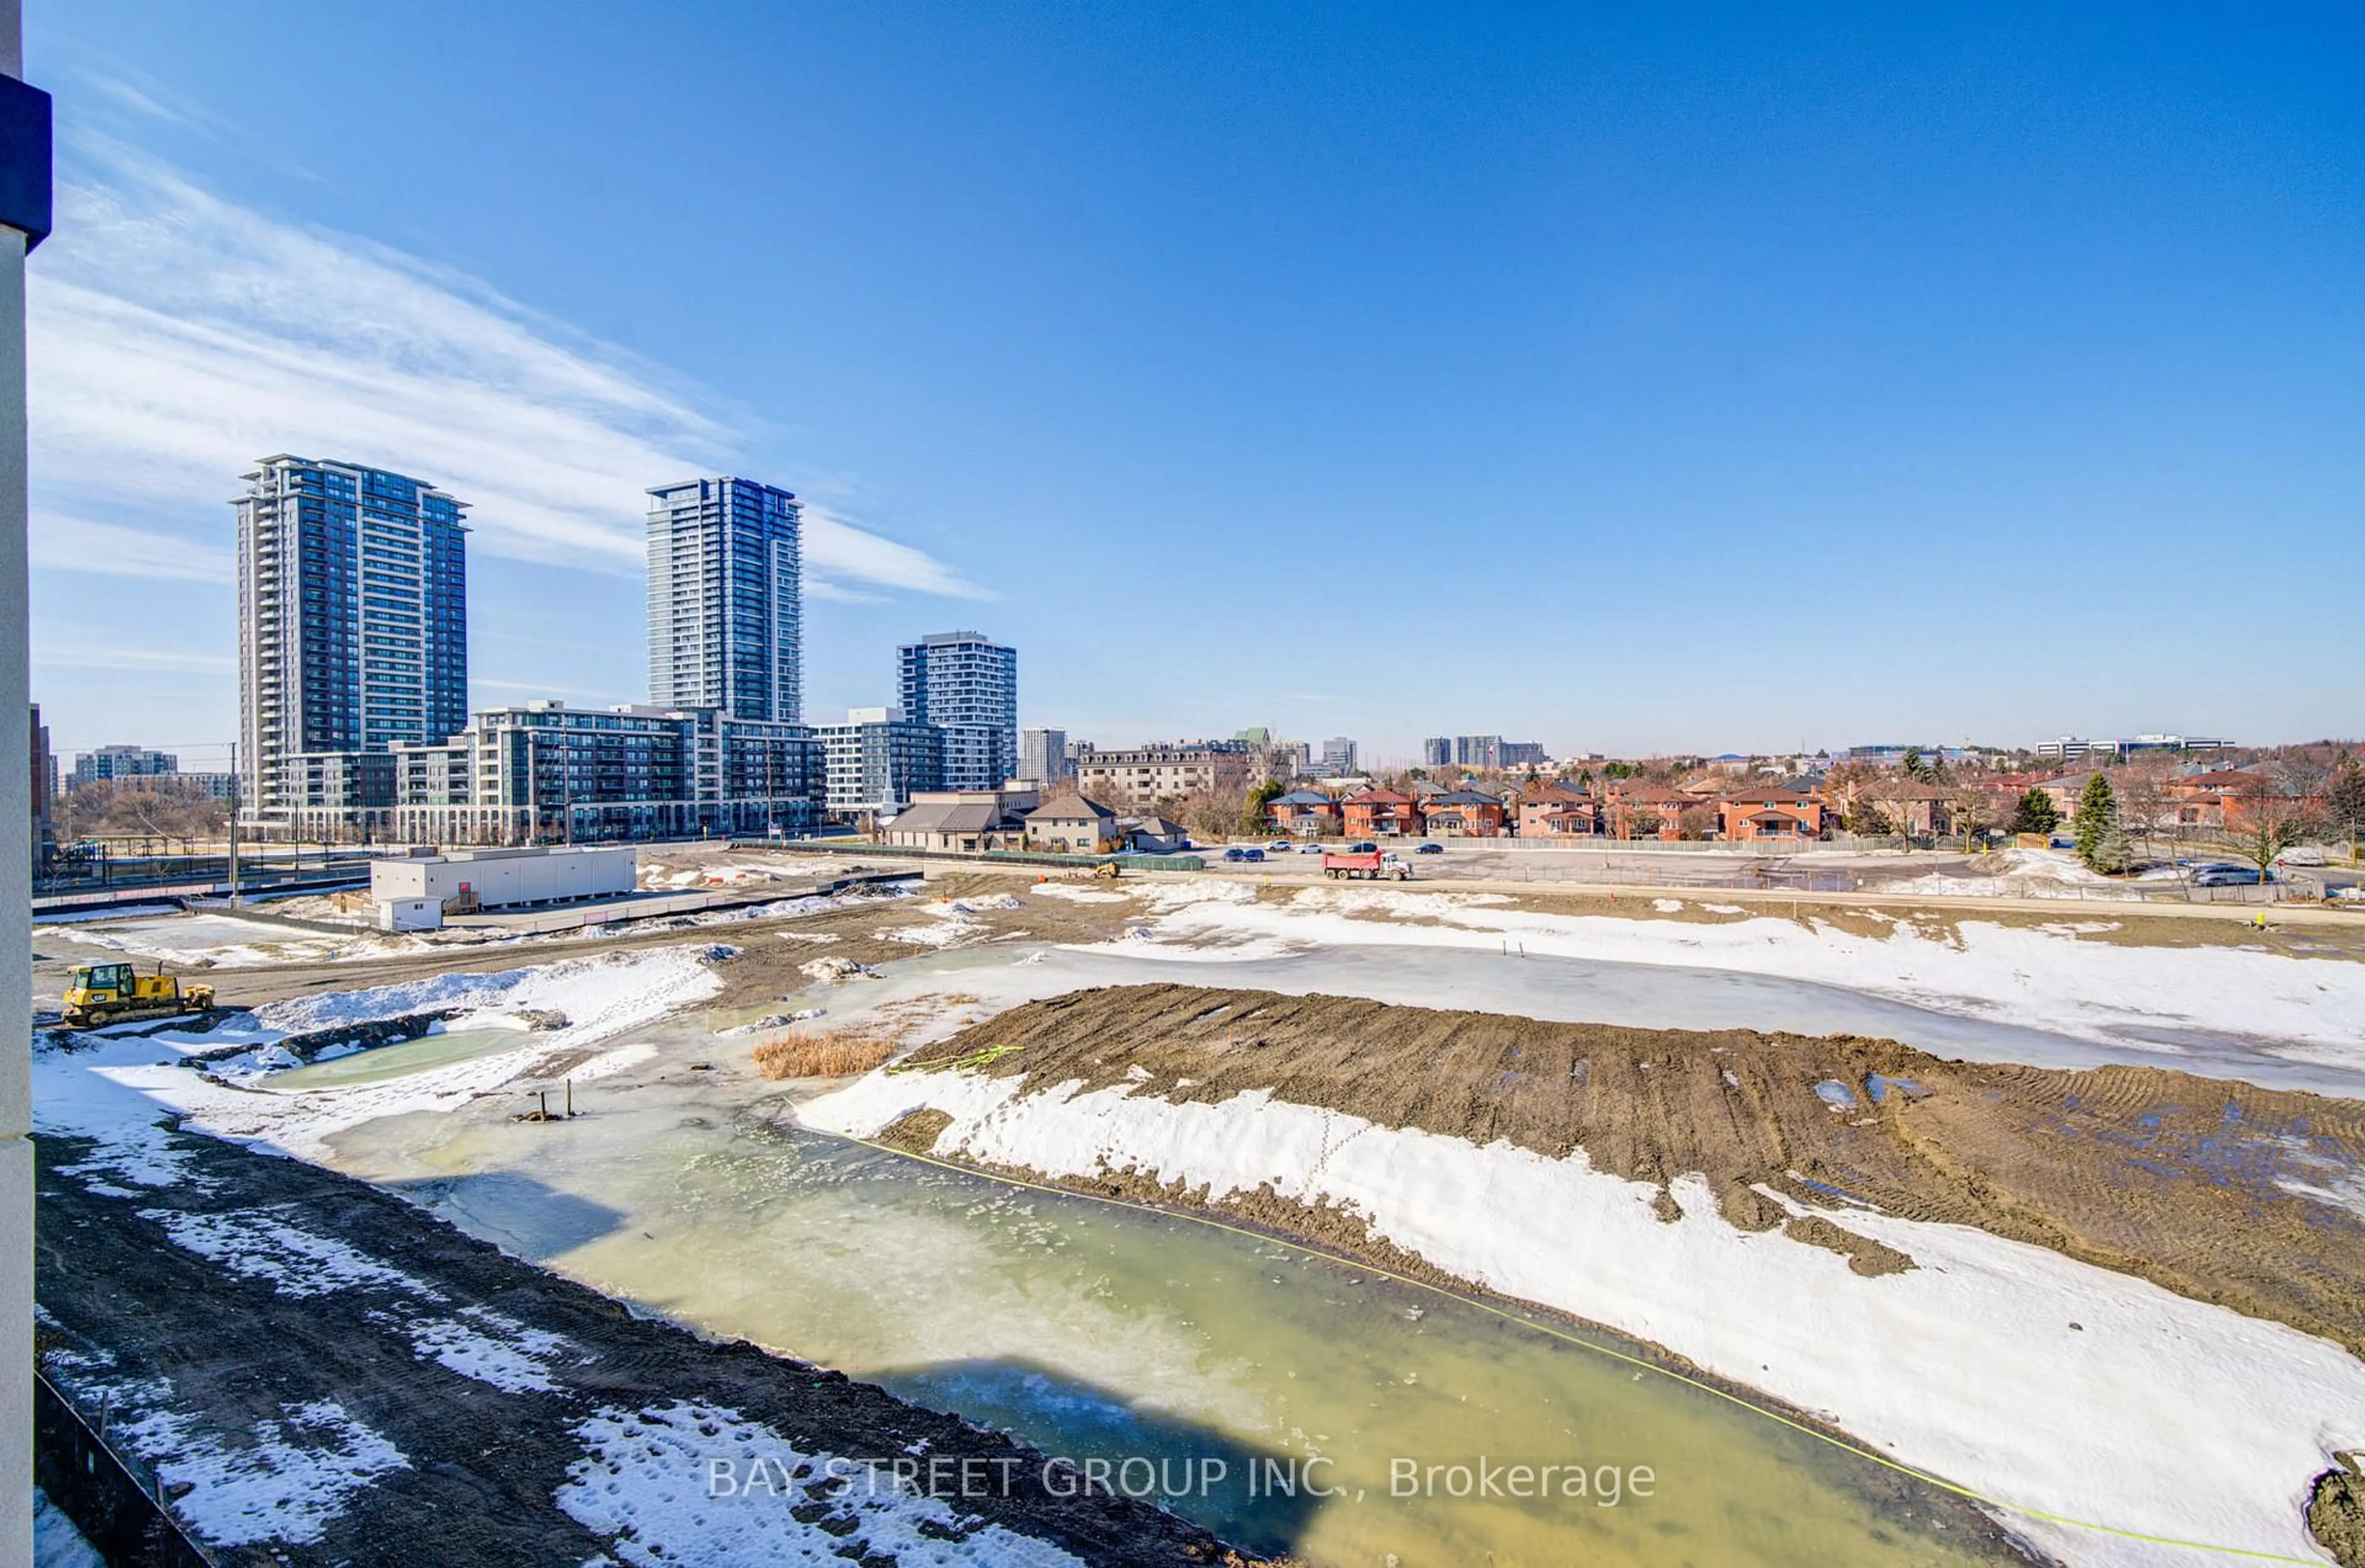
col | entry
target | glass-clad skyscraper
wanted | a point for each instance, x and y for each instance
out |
(353, 616)
(966, 686)
(725, 601)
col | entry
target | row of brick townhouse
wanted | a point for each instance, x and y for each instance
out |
(1555, 810)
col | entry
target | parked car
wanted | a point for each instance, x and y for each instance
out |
(2301, 855)
(1237, 852)
(1251, 853)
(1430, 848)
(2230, 877)
(1310, 849)
(1280, 846)
(1365, 848)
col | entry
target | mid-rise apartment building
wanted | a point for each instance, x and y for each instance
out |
(726, 621)
(1043, 757)
(109, 763)
(353, 620)
(1338, 755)
(1132, 779)
(541, 771)
(966, 685)
(877, 760)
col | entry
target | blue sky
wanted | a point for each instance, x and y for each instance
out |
(1671, 378)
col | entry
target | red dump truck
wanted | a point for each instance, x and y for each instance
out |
(1367, 866)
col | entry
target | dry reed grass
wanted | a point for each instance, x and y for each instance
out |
(832, 1053)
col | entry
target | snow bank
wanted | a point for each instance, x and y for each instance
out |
(2044, 979)
(2047, 1384)
(644, 1480)
(600, 996)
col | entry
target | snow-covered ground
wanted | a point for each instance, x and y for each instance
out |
(287, 1481)
(647, 1480)
(224, 941)
(2034, 874)
(114, 1084)
(2048, 1385)
(2040, 979)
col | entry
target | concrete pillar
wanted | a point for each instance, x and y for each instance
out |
(16, 900)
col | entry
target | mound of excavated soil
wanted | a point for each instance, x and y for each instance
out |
(2183, 1180)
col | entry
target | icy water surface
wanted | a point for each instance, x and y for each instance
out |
(381, 1064)
(1094, 1331)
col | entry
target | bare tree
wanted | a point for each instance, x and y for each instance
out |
(2268, 818)
(2146, 805)
(1904, 801)
(1971, 807)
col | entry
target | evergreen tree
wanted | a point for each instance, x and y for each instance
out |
(2101, 844)
(1253, 818)
(1865, 819)
(1915, 766)
(2035, 813)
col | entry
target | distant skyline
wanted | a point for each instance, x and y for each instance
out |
(1628, 382)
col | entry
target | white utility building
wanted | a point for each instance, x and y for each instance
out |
(405, 889)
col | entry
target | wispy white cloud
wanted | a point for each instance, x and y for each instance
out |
(109, 548)
(123, 95)
(175, 336)
(111, 655)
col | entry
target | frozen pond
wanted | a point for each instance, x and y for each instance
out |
(382, 1064)
(1097, 1331)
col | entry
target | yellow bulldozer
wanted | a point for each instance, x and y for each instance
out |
(111, 993)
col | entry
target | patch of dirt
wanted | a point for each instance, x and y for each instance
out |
(2336, 1517)
(914, 1130)
(1866, 1257)
(2177, 1179)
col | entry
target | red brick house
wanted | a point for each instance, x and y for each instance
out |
(1555, 810)
(2213, 798)
(1380, 813)
(1769, 812)
(1647, 810)
(1304, 813)
(1465, 813)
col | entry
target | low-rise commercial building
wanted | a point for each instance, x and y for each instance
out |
(503, 879)
(963, 821)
